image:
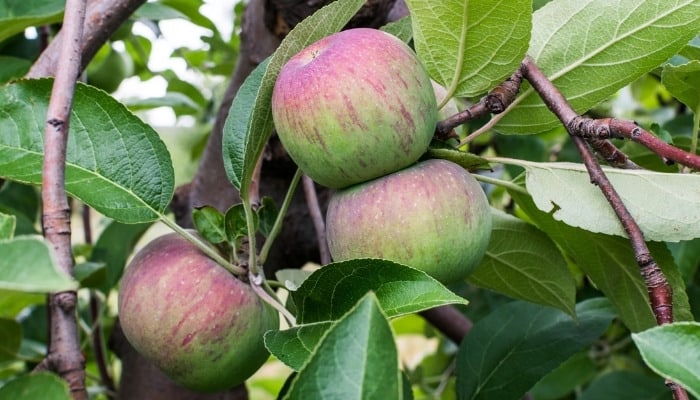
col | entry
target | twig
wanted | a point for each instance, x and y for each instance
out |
(495, 102)
(103, 18)
(660, 292)
(64, 356)
(96, 329)
(615, 128)
(317, 217)
(449, 321)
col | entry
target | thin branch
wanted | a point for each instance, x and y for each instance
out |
(96, 336)
(614, 128)
(64, 356)
(103, 18)
(658, 288)
(317, 217)
(450, 321)
(495, 102)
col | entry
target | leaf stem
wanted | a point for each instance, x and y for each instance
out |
(277, 226)
(204, 247)
(500, 182)
(260, 287)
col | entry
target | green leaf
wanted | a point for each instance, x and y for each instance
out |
(662, 204)
(609, 263)
(571, 374)
(7, 226)
(90, 274)
(158, 11)
(626, 385)
(400, 28)
(235, 222)
(683, 81)
(523, 263)
(249, 122)
(27, 265)
(292, 278)
(686, 254)
(113, 247)
(41, 385)
(515, 346)
(13, 68)
(13, 302)
(591, 48)
(10, 339)
(16, 16)
(210, 224)
(673, 351)
(115, 163)
(23, 202)
(295, 346)
(335, 288)
(267, 215)
(357, 359)
(470, 46)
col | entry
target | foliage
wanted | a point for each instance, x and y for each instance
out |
(559, 307)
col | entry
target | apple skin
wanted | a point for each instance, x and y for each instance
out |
(191, 318)
(354, 106)
(432, 216)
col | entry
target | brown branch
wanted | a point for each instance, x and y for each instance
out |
(64, 356)
(495, 102)
(317, 217)
(450, 321)
(615, 128)
(96, 336)
(658, 288)
(102, 19)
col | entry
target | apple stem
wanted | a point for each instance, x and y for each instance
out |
(260, 287)
(204, 247)
(277, 226)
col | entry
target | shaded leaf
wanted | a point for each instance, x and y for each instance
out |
(357, 359)
(571, 374)
(591, 48)
(27, 265)
(626, 385)
(335, 288)
(41, 385)
(664, 205)
(683, 81)
(115, 162)
(210, 224)
(249, 122)
(516, 345)
(470, 46)
(401, 29)
(90, 274)
(10, 339)
(609, 263)
(13, 68)
(113, 247)
(7, 226)
(673, 351)
(523, 263)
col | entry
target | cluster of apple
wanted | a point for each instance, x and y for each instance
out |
(356, 110)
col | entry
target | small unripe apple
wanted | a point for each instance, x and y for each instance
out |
(432, 216)
(191, 318)
(354, 106)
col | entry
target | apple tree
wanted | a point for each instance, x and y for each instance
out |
(356, 199)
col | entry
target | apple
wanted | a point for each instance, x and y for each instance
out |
(200, 325)
(354, 106)
(432, 216)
